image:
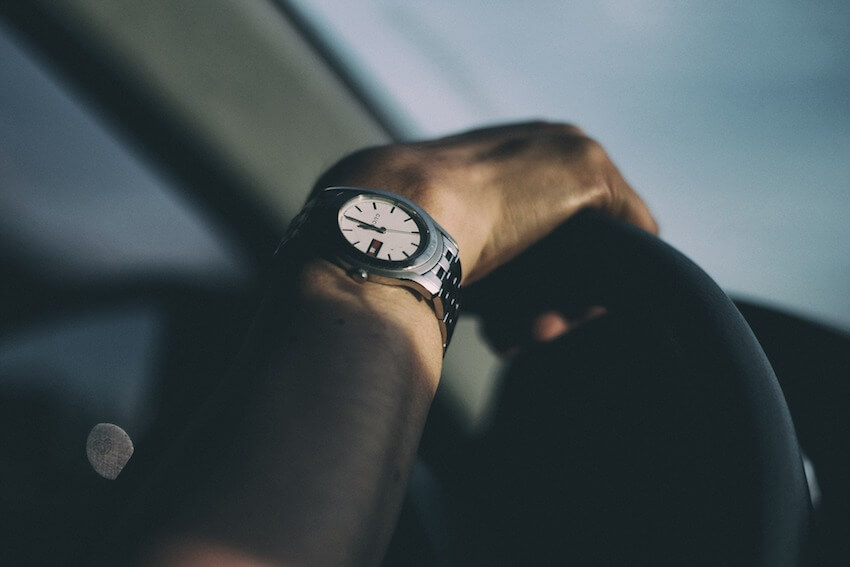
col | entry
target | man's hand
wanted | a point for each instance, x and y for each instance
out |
(498, 190)
(301, 456)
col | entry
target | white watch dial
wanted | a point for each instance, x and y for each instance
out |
(380, 228)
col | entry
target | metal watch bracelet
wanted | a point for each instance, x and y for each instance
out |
(307, 237)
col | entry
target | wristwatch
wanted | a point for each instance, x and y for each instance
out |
(381, 237)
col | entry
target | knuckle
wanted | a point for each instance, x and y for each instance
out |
(583, 148)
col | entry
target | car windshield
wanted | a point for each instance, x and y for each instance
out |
(729, 117)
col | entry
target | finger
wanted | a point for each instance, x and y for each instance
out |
(552, 324)
(549, 326)
(508, 337)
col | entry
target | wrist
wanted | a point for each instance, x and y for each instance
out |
(390, 315)
(469, 226)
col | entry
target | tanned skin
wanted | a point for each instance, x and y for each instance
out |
(324, 413)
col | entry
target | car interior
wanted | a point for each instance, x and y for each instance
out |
(151, 156)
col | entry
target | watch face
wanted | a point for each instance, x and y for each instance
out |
(381, 228)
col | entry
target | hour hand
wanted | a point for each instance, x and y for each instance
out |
(366, 225)
(385, 229)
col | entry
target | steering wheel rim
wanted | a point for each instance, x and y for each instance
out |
(628, 270)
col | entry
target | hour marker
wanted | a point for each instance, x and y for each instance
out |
(389, 257)
(408, 219)
(406, 255)
(358, 208)
(392, 210)
(347, 229)
(413, 244)
(415, 232)
(355, 243)
(374, 206)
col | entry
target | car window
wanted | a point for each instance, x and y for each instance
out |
(730, 118)
(92, 239)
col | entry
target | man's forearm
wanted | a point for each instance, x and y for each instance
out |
(316, 466)
(313, 441)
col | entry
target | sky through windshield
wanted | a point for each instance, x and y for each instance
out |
(730, 118)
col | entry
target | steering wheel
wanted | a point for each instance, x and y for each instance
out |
(688, 454)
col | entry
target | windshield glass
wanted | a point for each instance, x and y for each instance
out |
(730, 118)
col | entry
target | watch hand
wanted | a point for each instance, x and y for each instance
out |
(362, 224)
(400, 231)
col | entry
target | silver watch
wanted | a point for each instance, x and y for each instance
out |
(382, 237)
